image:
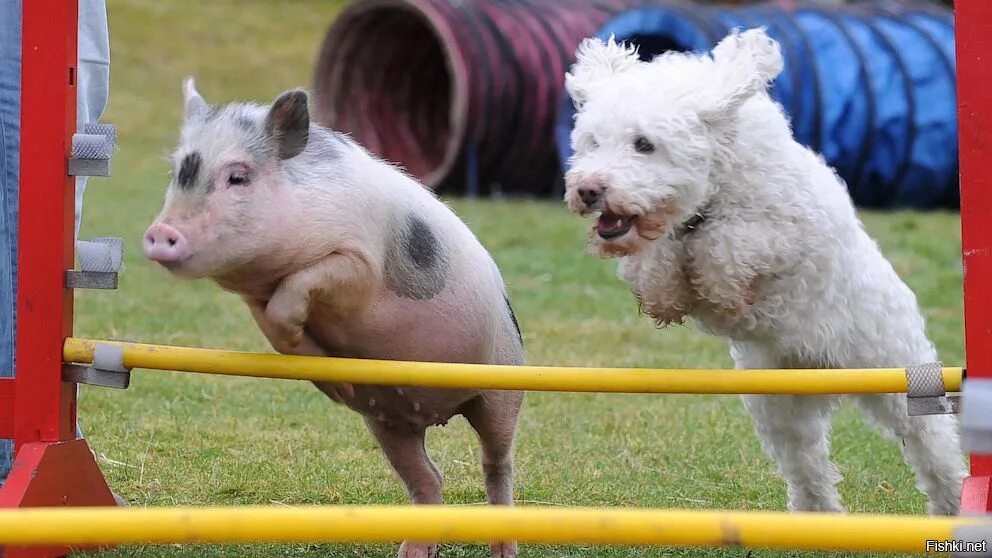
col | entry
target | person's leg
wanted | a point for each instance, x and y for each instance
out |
(94, 76)
(94, 82)
(10, 137)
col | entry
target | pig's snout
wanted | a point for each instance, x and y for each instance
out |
(165, 244)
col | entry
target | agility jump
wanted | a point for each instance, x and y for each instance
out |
(537, 525)
(53, 468)
(485, 376)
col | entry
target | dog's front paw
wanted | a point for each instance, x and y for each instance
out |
(742, 308)
(664, 311)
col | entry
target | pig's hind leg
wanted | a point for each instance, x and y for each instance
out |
(404, 447)
(493, 415)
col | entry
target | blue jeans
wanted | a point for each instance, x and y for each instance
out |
(94, 81)
(10, 137)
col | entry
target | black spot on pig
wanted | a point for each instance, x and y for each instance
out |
(246, 124)
(416, 260)
(323, 147)
(188, 171)
(421, 245)
(514, 318)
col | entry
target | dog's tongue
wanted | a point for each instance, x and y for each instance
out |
(611, 226)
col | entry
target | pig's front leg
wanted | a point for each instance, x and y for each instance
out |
(306, 347)
(338, 393)
(405, 449)
(342, 281)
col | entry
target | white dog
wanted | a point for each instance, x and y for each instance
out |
(719, 215)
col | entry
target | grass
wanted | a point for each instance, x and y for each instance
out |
(189, 440)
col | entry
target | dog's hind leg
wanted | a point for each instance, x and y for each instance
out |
(930, 446)
(795, 432)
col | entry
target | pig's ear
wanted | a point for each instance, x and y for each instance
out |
(288, 123)
(195, 106)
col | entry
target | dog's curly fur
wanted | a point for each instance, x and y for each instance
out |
(780, 265)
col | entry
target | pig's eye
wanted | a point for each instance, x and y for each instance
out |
(237, 179)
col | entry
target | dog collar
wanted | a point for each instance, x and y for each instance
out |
(691, 224)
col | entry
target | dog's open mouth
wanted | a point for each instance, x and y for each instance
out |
(610, 225)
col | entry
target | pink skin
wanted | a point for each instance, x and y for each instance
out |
(312, 275)
(165, 244)
(379, 325)
(230, 229)
(390, 327)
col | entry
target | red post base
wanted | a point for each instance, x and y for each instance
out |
(976, 495)
(48, 474)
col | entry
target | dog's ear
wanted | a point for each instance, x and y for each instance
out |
(596, 61)
(745, 63)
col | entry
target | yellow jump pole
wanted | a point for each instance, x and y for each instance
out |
(482, 376)
(538, 525)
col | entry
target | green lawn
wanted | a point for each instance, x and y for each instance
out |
(188, 440)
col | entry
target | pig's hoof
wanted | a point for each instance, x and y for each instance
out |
(418, 550)
(296, 339)
(503, 550)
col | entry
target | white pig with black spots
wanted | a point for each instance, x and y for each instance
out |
(338, 253)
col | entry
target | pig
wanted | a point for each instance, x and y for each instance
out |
(339, 253)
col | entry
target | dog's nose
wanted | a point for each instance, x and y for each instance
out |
(591, 193)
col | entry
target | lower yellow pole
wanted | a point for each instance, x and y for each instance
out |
(96, 526)
(481, 376)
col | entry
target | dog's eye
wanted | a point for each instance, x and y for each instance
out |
(593, 144)
(237, 179)
(643, 145)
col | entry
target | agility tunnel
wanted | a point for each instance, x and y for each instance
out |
(469, 95)
(872, 88)
(461, 94)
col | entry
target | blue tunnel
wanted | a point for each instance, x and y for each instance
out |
(871, 87)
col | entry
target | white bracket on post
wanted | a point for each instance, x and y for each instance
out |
(91, 150)
(99, 259)
(926, 394)
(976, 416)
(107, 370)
